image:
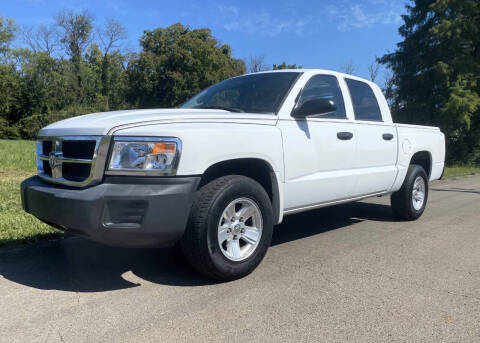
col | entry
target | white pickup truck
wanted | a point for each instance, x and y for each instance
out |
(216, 174)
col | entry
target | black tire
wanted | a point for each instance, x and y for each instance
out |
(401, 201)
(200, 241)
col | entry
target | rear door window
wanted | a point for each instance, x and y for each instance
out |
(365, 105)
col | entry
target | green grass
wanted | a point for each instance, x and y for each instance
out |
(18, 163)
(455, 171)
(18, 156)
(17, 226)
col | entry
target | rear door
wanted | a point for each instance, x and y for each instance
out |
(319, 152)
(375, 160)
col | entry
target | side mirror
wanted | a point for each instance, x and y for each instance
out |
(314, 107)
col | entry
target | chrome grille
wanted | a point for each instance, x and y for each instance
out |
(77, 161)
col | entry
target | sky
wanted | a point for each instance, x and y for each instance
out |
(324, 34)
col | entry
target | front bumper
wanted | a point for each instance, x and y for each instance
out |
(122, 211)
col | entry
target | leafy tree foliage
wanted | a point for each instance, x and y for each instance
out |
(9, 90)
(39, 86)
(436, 72)
(111, 63)
(176, 63)
(284, 65)
(434, 80)
(7, 34)
(76, 36)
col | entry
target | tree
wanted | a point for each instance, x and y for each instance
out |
(7, 35)
(9, 80)
(256, 64)
(286, 66)
(42, 38)
(76, 36)
(65, 70)
(388, 87)
(9, 90)
(110, 35)
(177, 62)
(373, 69)
(349, 68)
(107, 78)
(437, 72)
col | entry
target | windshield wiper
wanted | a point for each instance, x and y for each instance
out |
(214, 107)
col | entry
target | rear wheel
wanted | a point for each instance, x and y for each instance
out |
(410, 200)
(229, 229)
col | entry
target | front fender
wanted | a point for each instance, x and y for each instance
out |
(204, 144)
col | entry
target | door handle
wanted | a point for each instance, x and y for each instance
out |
(387, 136)
(344, 136)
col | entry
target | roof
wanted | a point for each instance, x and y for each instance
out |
(316, 71)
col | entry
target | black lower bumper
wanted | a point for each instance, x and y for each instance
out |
(122, 211)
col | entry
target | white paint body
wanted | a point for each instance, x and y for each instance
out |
(313, 167)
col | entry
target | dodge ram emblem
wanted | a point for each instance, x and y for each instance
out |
(54, 160)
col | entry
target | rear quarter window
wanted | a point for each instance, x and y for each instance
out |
(365, 105)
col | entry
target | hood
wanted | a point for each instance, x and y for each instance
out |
(104, 123)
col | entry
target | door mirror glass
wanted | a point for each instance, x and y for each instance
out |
(315, 107)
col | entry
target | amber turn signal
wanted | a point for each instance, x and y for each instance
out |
(163, 148)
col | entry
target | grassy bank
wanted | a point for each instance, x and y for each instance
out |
(18, 163)
(16, 226)
(455, 171)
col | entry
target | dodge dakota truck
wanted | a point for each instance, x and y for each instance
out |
(216, 174)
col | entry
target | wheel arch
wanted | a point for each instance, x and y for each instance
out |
(257, 169)
(423, 158)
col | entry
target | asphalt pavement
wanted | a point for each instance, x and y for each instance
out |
(349, 273)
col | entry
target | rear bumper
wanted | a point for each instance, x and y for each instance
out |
(122, 211)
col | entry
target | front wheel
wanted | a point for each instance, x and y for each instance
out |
(229, 229)
(410, 200)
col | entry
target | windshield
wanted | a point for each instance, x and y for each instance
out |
(255, 93)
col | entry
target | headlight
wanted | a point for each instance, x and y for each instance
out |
(150, 155)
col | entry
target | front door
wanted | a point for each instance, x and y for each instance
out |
(319, 152)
